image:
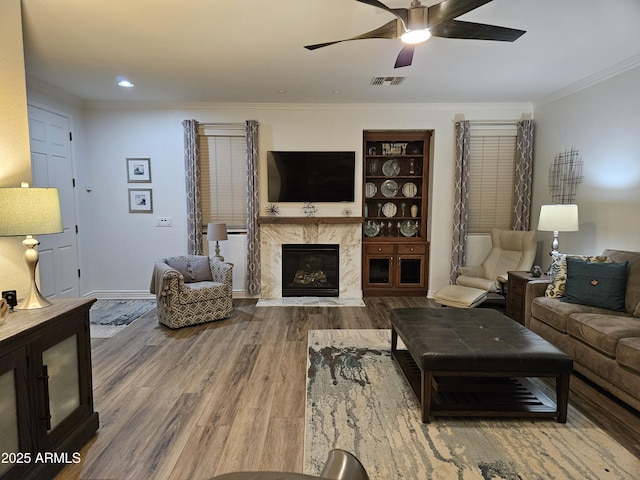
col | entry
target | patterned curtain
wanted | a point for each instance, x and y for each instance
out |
(192, 179)
(460, 215)
(253, 232)
(524, 175)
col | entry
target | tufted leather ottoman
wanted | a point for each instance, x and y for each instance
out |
(476, 362)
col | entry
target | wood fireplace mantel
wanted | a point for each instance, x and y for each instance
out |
(309, 220)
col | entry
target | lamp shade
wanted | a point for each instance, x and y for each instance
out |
(558, 218)
(29, 211)
(216, 231)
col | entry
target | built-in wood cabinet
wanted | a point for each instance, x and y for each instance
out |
(395, 211)
(46, 394)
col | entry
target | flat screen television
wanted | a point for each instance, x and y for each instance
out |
(311, 176)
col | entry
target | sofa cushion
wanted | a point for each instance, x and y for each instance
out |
(628, 353)
(555, 313)
(602, 332)
(597, 284)
(555, 289)
(632, 297)
(193, 270)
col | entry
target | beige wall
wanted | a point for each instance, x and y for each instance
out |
(15, 162)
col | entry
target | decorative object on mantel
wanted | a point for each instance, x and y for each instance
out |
(309, 209)
(347, 212)
(565, 174)
(273, 209)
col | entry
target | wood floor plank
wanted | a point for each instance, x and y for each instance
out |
(198, 401)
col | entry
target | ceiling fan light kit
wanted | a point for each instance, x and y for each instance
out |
(418, 23)
(413, 37)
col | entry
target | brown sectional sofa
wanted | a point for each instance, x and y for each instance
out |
(604, 344)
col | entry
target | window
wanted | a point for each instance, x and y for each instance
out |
(223, 183)
(491, 179)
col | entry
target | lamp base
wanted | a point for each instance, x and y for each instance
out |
(217, 255)
(35, 298)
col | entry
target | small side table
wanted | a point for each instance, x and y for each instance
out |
(516, 287)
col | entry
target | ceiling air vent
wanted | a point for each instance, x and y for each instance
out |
(387, 80)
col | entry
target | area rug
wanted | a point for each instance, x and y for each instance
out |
(108, 317)
(358, 400)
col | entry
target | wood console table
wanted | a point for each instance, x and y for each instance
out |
(46, 393)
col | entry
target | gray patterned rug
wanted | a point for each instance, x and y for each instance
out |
(359, 400)
(108, 317)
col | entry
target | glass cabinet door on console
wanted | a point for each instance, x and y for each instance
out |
(395, 210)
(57, 359)
(15, 436)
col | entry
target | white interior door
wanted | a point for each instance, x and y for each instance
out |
(51, 166)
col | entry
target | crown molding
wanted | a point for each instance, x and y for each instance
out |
(591, 80)
(455, 107)
(46, 89)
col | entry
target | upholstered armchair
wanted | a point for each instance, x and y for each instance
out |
(510, 250)
(192, 289)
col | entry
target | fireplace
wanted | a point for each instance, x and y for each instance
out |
(310, 270)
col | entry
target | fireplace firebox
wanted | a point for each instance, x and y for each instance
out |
(310, 270)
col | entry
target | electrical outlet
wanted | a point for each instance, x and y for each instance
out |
(163, 222)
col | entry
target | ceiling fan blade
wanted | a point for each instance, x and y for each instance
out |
(388, 30)
(450, 9)
(475, 31)
(405, 57)
(401, 13)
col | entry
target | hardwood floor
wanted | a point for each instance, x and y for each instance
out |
(230, 395)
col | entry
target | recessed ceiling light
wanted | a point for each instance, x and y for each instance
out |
(123, 82)
(282, 91)
(336, 92)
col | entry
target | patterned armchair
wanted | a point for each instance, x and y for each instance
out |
(192, 289)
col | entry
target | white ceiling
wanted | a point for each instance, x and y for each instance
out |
(251, 50)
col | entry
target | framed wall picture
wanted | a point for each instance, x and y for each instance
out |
(140, 200)
(139, 170)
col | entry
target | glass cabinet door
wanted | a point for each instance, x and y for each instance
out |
(15, 438)
(61, 366)
(379, 271)
(410, 271)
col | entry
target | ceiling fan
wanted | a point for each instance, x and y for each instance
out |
(418, 23)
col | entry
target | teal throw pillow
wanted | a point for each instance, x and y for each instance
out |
(600, 285)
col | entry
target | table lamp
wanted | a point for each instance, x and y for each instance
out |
(25, 212)
(217, 232)
(558, 218)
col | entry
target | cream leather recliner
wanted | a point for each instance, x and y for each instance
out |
(510, 250)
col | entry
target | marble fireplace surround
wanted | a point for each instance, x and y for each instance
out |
(343, 231)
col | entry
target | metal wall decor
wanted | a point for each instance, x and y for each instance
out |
(565, 174)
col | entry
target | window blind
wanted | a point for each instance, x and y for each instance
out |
(223, 180)
(491, 180)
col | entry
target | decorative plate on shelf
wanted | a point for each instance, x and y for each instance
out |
(391, 168)
(389, 209)
(389, 188)
(370, 190)
(408, 228)
(409, 189)
(372, 229)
